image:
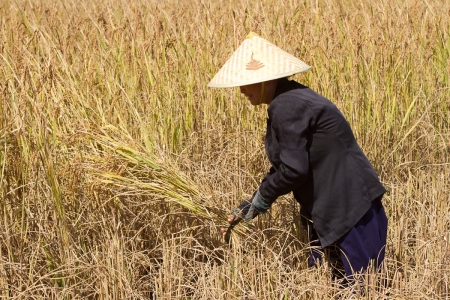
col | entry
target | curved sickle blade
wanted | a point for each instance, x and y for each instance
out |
(230, 228)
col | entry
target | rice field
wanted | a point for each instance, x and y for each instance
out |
(118, 165)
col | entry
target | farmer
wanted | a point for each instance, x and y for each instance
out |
(313, 154)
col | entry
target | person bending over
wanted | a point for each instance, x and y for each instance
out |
(313, 154)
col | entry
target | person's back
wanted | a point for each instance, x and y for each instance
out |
(339, 182)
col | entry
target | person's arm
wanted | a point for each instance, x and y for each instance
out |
(292, 122)
(271, 171)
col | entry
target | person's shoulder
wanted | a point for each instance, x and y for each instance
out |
(293, 93)
(288, 103)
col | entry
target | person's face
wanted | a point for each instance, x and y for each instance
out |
(252, 92)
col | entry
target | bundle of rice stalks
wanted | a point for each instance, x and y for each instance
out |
(138, 170)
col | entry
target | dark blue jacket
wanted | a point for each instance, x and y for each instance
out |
(314, 154)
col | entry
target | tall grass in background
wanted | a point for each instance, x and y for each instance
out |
(118, 164)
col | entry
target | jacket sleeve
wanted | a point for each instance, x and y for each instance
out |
(271, 171)
(291, 125)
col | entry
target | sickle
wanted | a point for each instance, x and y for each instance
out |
(230, 228)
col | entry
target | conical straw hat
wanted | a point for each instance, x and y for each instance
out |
(256, 60)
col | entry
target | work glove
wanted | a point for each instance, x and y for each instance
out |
(249, 209)
(246, 211)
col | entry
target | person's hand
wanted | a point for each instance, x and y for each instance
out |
(245, 212)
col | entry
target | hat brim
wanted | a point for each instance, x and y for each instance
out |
(258, 80)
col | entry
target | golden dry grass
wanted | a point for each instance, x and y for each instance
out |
(107, 126)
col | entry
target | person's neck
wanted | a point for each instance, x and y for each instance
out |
(271, 88)
(281, 84)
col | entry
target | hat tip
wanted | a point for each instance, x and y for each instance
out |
(251, 34)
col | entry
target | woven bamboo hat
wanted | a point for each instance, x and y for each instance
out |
(256, 60)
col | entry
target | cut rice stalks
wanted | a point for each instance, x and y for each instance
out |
(139, 170)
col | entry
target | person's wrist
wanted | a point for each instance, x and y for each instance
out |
(259, 203)
(251, 214)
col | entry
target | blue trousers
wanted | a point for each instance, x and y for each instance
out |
(361, 247)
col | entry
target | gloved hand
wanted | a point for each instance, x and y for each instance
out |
(245, 211)
(249, 209)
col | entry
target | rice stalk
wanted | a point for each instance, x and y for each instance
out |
(144, 173)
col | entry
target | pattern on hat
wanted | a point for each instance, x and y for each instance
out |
(257, 60)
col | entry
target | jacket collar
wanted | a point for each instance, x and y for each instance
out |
(284, 85)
